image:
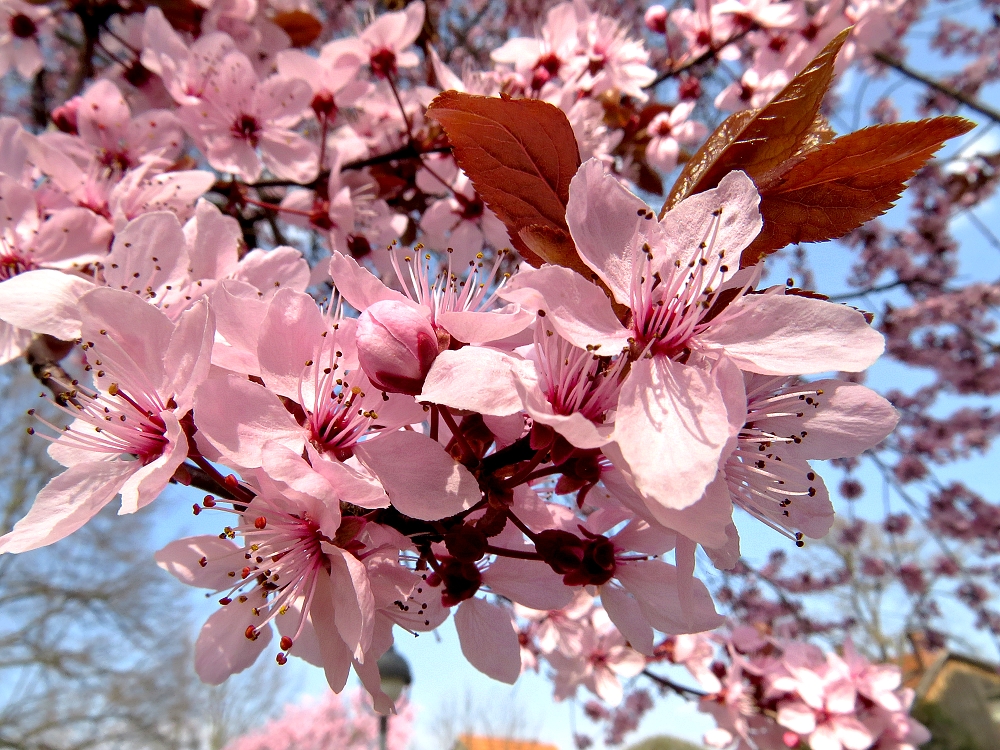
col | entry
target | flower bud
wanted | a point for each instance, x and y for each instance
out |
(396, 346)
(656, 19)
(64, 116)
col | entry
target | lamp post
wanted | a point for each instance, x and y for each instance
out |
(394, 674)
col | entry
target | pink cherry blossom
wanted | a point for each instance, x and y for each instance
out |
(127, 436)
(239, 115)
(385, 41)
(667, 133)
(23, 25)
(120, 140)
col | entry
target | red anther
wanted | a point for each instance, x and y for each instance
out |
(260, 523)
(232, 482)
(245, 573)
(225, 600)
(209, 501)
(203, 562)
(196, 509)
(285, 643)
(251, 633)
(281, 659)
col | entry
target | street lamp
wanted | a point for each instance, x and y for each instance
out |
(394, 674)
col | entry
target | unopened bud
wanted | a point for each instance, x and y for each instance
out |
(64, 116)
(396, 346)
(656, 19)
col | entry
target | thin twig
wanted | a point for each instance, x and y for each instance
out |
(682, 690)
(943, 88)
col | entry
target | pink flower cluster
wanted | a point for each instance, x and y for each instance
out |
(773, 40)
(331, 721)
(435, 430)
(776, 693)
(453, 440)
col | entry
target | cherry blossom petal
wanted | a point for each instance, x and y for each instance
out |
(350, 480)
(14, 341)
(290, 335)
(359, 286)
(784, 334)
(67, 502)
(336, 656)
(188, 358)
(488, 639)
(239, 315)
(214, 241)
(841, 697)
(528, 582)
(272, 270)
(663, 405)
(797, 716)
(222, 648)
(200, 561)
(655, 586)
(44, 301)
(607, 687)
(627, 616)
(603, 218)
(238, 417)
(824, 737)
(850, 419)
(354, 604)
(476, 378)
(299, 481)
(288, 155)
(727, 215)
(372, 681)
(129, 332)
(483, 327)
(579, 311)
(422, 480)
(72, 238)
(853, 735)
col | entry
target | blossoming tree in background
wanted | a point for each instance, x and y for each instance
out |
(328, 722)
(387, 292)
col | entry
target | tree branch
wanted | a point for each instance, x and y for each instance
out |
(686, 692)
(943, 88)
